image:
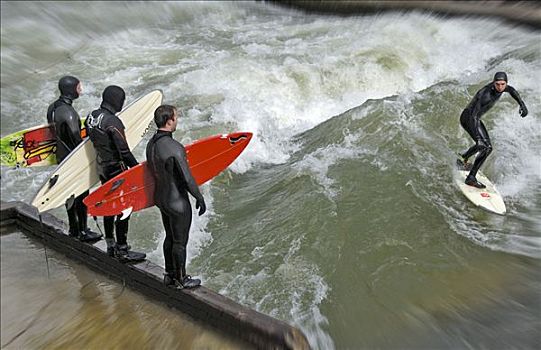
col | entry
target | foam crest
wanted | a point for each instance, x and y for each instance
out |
(317, 163)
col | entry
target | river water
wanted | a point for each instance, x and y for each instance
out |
(341, 217)
(51, 302)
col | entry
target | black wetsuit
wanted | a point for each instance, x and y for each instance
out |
(167, 161)
(106, 132)
(67, 126)
(470, 119)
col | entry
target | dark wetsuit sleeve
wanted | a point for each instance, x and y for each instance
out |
(73, 129)
(50, 113)
(68, 126)
(477, 105)
(514, 94)
(87, 128)
(118, 136)
(181, 165)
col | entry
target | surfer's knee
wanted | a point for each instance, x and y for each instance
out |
(178, 248)
(487, 147)
(484, 146)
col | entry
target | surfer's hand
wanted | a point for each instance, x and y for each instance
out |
(523, 111)
(200, 204)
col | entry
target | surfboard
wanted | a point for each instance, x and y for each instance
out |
(78, 171)
(34, 146)
(133, 190)
(487, 198)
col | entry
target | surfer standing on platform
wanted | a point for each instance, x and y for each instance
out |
(470, 119)
(106, 131)
(67, 127)
(166, 159)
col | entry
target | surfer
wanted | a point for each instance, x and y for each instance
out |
(67, 126)
(166, 159)
(106, 131)
(470, 119)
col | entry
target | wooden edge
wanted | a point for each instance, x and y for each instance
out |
(527, 13)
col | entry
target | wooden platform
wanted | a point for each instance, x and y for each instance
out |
(202, 304)
(527, 13)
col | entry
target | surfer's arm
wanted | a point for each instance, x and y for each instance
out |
(87, 126)
(119, 139)
(73, 126)
(477, 102)
(476, 107)
(182, 165)
(514, 94)
(68, 126)
(50, 114)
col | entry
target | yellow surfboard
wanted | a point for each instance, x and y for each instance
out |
(31, 147)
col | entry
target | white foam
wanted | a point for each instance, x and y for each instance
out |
(317, 163)
(255, 283)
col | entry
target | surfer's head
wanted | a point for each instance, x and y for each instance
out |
(70, 87)
(500, 81)
(113, 97)
(165, 117)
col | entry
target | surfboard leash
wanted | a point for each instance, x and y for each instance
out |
(97, 224)
(45, 249)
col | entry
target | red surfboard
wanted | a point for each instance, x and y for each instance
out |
(133, 189)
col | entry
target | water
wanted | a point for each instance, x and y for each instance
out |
(341, 216)
(50, 302)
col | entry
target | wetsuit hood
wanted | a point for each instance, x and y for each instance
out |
(500, 76)
(68, 87)
(113, 98)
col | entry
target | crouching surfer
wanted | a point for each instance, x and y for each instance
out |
(67, 126)
(106, 131)
(470, 119)
(166, 159)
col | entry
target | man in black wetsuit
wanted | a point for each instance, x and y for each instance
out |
(166, 159)
(106, 131)
(67, 127)
(470, 119)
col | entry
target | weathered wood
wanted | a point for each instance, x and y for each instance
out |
(527, 13)
(201, 304)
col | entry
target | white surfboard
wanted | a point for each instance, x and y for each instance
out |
(487, 198)
(78, 171)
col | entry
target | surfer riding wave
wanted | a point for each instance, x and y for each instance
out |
(470, 119)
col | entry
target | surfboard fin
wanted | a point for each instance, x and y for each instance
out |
(126, 212)
(53, 180)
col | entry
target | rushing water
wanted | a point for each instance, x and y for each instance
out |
(341, 217)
